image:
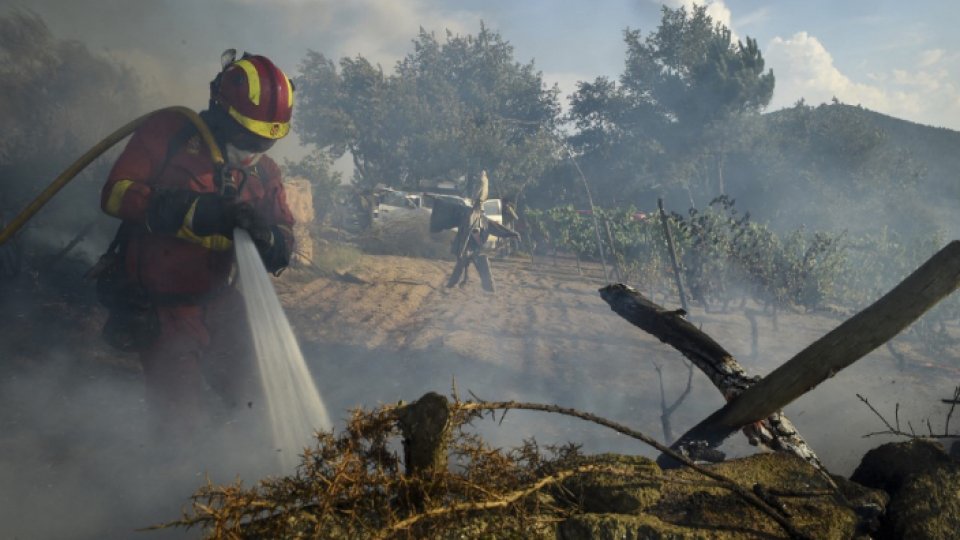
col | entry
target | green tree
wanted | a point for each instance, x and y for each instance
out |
(316, 168)
(57, 99)
(667, 125)
(450, 109)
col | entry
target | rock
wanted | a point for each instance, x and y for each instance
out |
(630, 492)
(299, 195)
(955, 450)
(625, 527)
(869, 504)
(682, 503)
(693, 502)
(924, 487)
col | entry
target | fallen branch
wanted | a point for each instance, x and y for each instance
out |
(775, 432)
(855, 338)
(500, 501)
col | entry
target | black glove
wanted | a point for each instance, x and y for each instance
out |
(212, 214)
(167, 209)
(268, 239)
(245, 217)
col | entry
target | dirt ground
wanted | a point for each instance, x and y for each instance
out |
(71, 426)
(546, 335)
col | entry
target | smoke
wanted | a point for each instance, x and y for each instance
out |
(79, 461)
(73, 429)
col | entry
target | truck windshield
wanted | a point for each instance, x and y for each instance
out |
(492, 207)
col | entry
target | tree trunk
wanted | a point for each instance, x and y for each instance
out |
(425, 424)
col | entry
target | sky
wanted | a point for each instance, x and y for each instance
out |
(895, 57)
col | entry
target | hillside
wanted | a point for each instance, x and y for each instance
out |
(934, 147)
(933, 150)
(846, 168)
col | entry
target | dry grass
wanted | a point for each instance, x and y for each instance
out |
(353, 485)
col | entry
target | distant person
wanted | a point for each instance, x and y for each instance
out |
(171, 295)
(473, 230)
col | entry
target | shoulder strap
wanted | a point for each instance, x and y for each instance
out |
(126, 228)
(177, 142)
(120, 238)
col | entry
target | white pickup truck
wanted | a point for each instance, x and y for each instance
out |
(395, 205)
(493, 209)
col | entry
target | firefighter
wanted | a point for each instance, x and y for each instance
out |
(473, 230)
(170, 293)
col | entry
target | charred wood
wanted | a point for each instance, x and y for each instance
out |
(841, 347)
(774, 432)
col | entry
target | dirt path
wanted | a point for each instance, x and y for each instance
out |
(547, 336)
(73, 410)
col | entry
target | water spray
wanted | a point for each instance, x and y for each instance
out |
(294, 405)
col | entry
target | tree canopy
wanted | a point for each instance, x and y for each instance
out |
(451, 108)
(57, 99)
(668, 121)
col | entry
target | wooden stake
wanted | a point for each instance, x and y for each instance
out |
(673, 257)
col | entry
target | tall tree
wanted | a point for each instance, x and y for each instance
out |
(668, 124)
(451, 108)
(57, 99)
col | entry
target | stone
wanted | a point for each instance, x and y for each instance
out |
(692, 501)
(924, 487)
(299, 194)
(604, 492)
(625, 527)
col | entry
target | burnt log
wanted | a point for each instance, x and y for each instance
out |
(425, 425)
(774, 432)
(838, 349)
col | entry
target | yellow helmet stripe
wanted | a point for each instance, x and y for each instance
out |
(267, 130)
(289, 90)
(116, 197)
(253, 80)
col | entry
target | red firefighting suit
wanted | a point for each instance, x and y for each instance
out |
(203, 332)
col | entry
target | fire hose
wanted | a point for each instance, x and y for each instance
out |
(93, 153)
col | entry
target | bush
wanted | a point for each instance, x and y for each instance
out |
(408, 236)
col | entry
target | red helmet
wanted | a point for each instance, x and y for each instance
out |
(255, 93)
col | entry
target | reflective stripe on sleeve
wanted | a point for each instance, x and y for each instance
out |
(215, 242)
(116, 197)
